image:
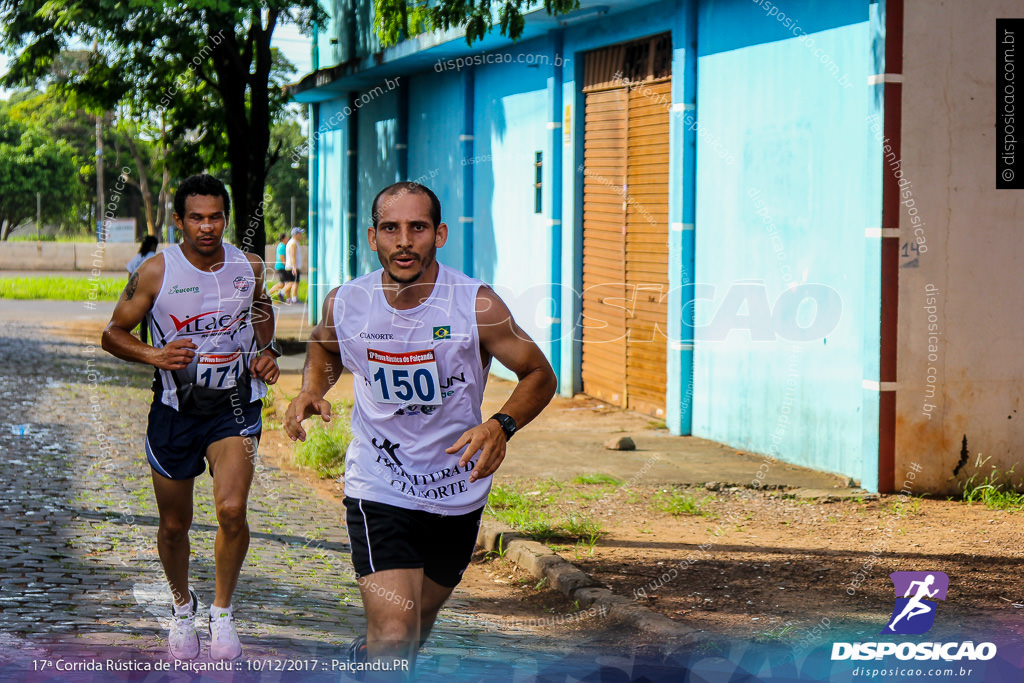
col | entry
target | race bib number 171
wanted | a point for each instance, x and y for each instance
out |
(219, 370)
(404, 377)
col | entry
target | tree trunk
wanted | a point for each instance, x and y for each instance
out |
(165, 178)
(147, 196)
(248, 129)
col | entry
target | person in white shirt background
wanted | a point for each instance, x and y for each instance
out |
(293, 266)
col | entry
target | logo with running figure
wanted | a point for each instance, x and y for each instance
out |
(443, 332)
(914, 613)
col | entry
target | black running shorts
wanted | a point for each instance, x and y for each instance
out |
(388, 537)
(176, 443)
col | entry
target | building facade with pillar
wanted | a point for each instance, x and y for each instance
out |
(692, 207)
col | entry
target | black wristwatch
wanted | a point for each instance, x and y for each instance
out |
(508, 425)
(274, 347)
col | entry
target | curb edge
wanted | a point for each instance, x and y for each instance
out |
(542, 562)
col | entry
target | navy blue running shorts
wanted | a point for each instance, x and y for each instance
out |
(387, 537)
(176, 443)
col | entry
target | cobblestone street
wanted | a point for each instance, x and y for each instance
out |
(80, 576)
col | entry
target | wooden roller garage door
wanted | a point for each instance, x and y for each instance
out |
(647, 246)
(628, 91)
(604, 245)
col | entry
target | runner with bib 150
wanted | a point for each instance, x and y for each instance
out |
(419, 338)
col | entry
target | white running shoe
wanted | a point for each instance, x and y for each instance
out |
(183, 641)
(223, 637)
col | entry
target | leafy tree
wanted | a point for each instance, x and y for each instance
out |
(397, 19)
(60, 117)
(206, 65)
(287, 179)
(49, 111)
(30, 162)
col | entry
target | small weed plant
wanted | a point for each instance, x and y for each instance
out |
(323, 451)
(677, 502)
(996, 490)
(597, 478)
(531, 513)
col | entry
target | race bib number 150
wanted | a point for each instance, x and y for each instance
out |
(404, 377)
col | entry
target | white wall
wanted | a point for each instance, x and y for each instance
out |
(974, 236)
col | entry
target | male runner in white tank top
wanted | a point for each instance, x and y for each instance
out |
(212, 327)
(419, 338)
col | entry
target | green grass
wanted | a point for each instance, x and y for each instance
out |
(996, 490)
(269, 411)
(323, 451)
(582, 526)
(901, 506)
(63, 288)
(678, 502)
(62, 237)
(540, 513)
(272, 280)
(506, 504)
(597, 479)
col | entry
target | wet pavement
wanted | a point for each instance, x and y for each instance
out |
(81, 581)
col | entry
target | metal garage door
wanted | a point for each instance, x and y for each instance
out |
(604, 244)
(625, 224)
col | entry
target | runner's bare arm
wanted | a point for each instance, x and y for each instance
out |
(501, 338)
(321, 371)
(262, 365)
(136, 300)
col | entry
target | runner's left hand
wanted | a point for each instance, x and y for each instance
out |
(489, 440)
(264, 366)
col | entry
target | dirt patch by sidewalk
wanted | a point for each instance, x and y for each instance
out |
(758, 565)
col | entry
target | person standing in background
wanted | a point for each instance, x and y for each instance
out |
(293, 266)
(279, 269)
(147, 250)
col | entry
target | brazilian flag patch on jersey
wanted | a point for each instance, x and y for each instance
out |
(443, 332)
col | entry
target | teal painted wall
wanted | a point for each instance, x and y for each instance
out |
(512, 242)
(435, 115)
(377, 162)
(332, 201)
(784, 185)
(784, 192)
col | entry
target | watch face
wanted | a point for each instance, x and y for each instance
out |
(507, 424)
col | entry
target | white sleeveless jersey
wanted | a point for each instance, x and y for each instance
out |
(418, 384)
(212, 310)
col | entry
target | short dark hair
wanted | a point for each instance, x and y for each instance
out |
(406, 187)
(149, 243)
(202, 184)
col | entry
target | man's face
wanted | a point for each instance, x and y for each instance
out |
(203, 224)
(405, 238)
